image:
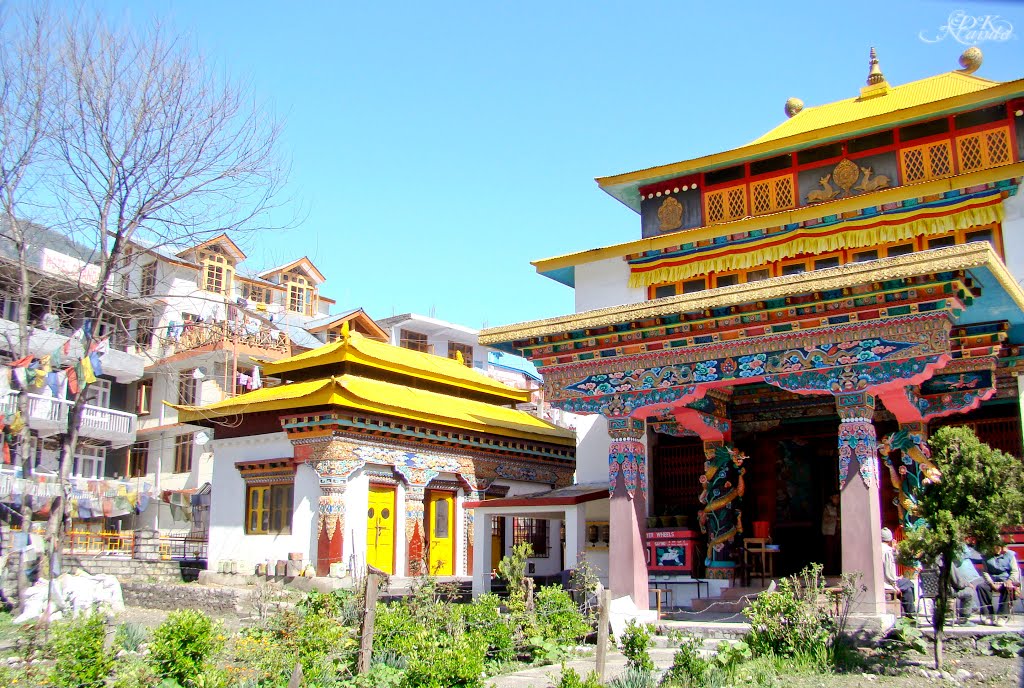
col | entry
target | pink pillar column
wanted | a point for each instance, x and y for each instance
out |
(627, 487)
(861, 511)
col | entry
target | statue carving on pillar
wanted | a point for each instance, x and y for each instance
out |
(627, 455)
(912, 471)
(857, 440)
(723, 484)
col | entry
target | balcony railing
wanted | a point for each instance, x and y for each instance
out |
(196, 335)
(49, 416)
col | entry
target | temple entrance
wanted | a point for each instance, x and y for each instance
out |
(380, 528)
(441, 544)
(791, 473)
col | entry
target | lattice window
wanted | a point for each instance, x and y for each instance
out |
(770, 195)
(183, 453)
(147, 285)
(984, 149)
(726, 204)
(534, 531)
(268, 509)
(927, 161)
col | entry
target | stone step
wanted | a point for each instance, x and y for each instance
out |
(723, 605)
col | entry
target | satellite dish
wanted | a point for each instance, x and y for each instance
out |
(202, 438)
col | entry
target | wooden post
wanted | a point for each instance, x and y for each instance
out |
(369, 618)
(602, 633)
(296, 680)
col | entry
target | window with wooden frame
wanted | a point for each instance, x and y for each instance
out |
(726, 279)
(757, 275)
(256, 293)
(416, 341)
(899, 250)
(215, 274)
(147, 283)
(143, 332)
(187, 387)
(941, 241)
(690, 286)
(183, 446)
(932, 160)
(301, 295)
(863, 256)
(534, 531)
(268, 509)
(983, 149)
(726, 204)
(661, 291)
(826, 262)
(138, 460)
(455, 348)
(793, 268)
(771, 195)
(144, 398)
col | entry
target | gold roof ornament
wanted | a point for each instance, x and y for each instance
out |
(793, 107)
(970, 60)
(877, 85)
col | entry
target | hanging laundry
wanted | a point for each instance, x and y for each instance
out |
(53, 383)
(174, 330)
(88, 377)
(256, 381)
(244, 381)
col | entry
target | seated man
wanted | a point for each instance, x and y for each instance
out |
(1002, 574)
(903, 587)
(964, 579)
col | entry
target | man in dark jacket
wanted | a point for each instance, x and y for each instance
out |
(1002, 575)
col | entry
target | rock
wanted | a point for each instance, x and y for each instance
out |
(962, 674)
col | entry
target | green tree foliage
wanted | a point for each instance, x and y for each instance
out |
(80, 660)
(979, 493)
(184, 645)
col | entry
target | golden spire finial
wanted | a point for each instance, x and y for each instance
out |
(344, 331)
(460, 358)
(875, 75)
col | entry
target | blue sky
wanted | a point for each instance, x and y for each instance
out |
(438, 147)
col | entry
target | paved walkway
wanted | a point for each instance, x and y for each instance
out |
(546, 676)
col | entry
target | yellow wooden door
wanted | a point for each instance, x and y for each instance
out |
(380, 528)
(441, 558)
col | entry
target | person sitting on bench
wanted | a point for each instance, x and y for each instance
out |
(1002, 574)
(902, 587)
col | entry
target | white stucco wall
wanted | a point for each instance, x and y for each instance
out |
(604, 283)
(1013, 234)
(228, 541)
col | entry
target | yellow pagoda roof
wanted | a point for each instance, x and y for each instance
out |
(353, 347)
(884, 108)
(913, 94)
(387, 399)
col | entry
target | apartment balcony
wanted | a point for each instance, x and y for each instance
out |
(123, 366)
(48, 416)
(219, 335)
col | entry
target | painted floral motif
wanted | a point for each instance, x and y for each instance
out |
(857, 442)
(628, 457)
(706, 372)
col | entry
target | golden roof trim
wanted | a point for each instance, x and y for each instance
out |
(759, 147)
(785, 217)
(962, 257)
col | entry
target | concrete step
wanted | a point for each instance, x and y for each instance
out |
(722, 605)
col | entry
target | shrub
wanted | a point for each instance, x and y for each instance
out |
(183, 645)
(484, 620)
(130, 636)
(784, 624)
(571, 679)
(688, 666)
(558, 617)
(446, 663)
(633, 677)
(634, 643)
(80, 660)
(133, 672)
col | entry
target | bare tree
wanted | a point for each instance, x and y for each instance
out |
(155, 147)
(129, 139)
(26, 66)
